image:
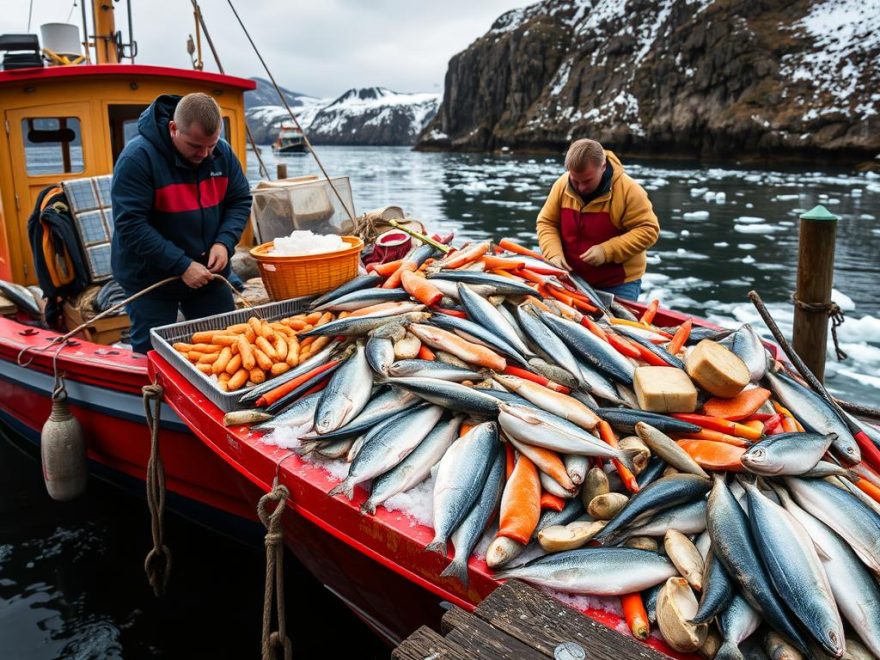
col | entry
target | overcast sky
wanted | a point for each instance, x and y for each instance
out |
(316, 47)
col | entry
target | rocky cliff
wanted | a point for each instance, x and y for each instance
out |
(699, 78)
(366, 116)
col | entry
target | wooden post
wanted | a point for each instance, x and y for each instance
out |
(282, 171)
(815, 276)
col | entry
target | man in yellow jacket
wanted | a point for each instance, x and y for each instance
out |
(598, 222)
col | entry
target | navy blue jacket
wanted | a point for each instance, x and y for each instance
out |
(166, 212)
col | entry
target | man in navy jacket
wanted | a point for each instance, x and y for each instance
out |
(180, 204)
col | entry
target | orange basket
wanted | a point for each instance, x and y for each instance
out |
(291, 277)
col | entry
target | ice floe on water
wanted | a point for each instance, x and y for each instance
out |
(746, 246)
(748, 259)
(757, 229)
(721, 244)
(749, 220)
(696, 215)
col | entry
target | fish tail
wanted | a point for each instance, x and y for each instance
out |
(344, 487)
(307, 448)
(457, 569)
(626, 459)
(729, 651)
(369, 507)
(438, 545)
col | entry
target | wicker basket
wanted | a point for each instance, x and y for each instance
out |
(292, 277)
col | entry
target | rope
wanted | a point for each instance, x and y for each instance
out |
(158, 561)
(290, 112)
(274, 589)
(834, 313)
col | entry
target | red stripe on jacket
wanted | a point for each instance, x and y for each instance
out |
(183, 197)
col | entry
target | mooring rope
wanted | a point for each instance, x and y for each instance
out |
(158, 561)
(274, 588)
(833, 311)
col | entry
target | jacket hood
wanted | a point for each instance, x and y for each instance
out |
(616, 165)
(153, 123)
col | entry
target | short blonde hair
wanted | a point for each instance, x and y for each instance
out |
(197, 108)
(582, 153)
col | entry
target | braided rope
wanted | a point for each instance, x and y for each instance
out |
(274, 587)
(833, 311)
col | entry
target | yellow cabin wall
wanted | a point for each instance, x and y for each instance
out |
(89, 101)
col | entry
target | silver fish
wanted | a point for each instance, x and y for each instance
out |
(416, 467)
(733, 545)
(433, 369)
(795, 569)
(483, 312)
(460, 478)
(736, 622)
(548, 483)
(688, 518)
(596, 571)
(499, 285)
(354, 284)
(385, 446)
(335, 449)
(553, 348)
(381, 406)
(300, 413)
(542, 429)
(576, 466)
(597, 384)
(466, 535)
(858, 525)
(355, 300)
(815, 414)
(666, 448)
(589, 347)
(787, 453)
(361, 325)
(380, 353)
(717, 589)
(855, 589)
(747, 346)
(452, 396)
(347, 393)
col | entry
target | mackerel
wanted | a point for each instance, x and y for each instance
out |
(596, 571)
(688, 518)
(857, 524)
(354, 284)
(433, 369)
(452, 396)
(416, 467)
(388, 444)
(733, 545)
(299, 414)
(592, 349)
(626, 420)
(787, 453)
(717, 589)
(543, 429)
(545, 340)
(460, 479)
(855, 589)
(737, 622)
(361, 298)
(468, 533)
(815, 414)
(662, 494)
(597, 384)
(361, 325)
(500, 285)
(380, 353)
(795, 569)
(383, 405)
(346, 394)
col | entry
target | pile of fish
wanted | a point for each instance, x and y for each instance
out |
(511, 382)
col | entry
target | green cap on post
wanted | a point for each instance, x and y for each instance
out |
(819, 213)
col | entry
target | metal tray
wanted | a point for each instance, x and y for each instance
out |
(164, 336)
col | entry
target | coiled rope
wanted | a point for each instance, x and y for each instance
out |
(833, 311)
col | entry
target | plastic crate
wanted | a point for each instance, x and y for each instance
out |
(163, 337)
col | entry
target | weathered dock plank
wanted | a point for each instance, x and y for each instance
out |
(518, 622)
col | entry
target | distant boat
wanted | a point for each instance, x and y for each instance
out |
(290, 140)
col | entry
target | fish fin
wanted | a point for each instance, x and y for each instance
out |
(306, 448)
(458, 570)
(368, 507)
(344, 487)
(438, 546)
(824, 556)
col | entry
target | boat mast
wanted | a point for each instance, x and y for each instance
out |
(105, 36)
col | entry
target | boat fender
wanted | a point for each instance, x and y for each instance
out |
(63, 451)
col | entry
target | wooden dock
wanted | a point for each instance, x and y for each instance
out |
(516, 621)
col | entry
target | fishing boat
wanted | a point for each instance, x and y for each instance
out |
(289, 141)
(70, 122)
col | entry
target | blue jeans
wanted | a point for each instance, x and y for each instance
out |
(630, 290)
(160, 308)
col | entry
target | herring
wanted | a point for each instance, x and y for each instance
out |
(346, 394)
(787, 453)
(592, 349)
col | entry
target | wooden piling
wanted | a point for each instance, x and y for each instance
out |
(281, 171)
(815, 276)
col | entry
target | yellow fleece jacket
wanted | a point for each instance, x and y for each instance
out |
(630, 212)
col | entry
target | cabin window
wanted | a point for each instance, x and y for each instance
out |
(123, 125)
(52, 145)
(226, 130)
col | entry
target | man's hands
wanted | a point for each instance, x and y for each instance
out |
(559, 262)
(595, 256)
(217, 258)
(197, 276)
